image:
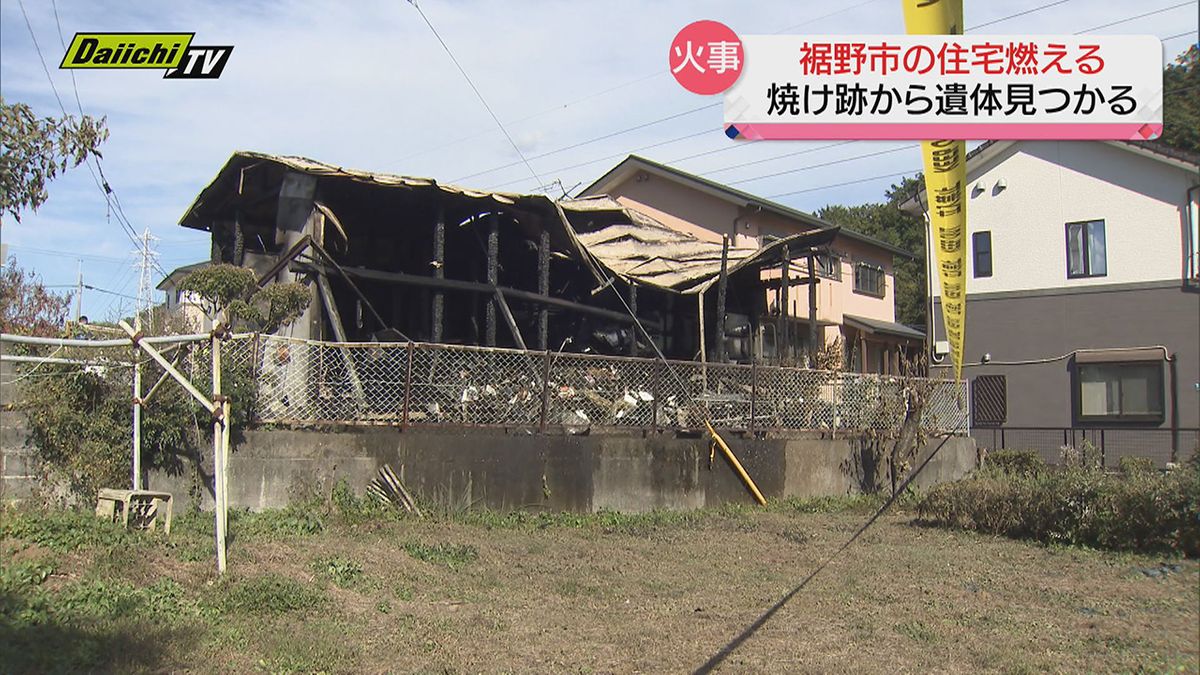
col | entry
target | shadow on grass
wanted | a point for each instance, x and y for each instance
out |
(41, 644)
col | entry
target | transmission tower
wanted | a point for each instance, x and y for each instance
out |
(146, 263)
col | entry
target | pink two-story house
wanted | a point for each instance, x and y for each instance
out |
(855, 299)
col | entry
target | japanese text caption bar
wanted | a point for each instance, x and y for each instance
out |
(914, 87)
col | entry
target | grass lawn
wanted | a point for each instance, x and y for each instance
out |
(326, 592)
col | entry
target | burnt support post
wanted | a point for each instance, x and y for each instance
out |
(633, 309)
(544, 407)
(722, 289)
(439, 272)
(493, 277)
(812, 310)
(782, 349)
(544, 290)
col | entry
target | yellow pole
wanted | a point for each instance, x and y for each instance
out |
(737, 466)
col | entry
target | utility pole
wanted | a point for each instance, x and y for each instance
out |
(79, 294)
(145, 265)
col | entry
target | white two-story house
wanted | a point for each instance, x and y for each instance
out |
(1083, 297)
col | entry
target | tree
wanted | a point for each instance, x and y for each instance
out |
(886, 221)
(26, 307)
(80, 419)
(1181, 101)
(232, 292)
(36, 151)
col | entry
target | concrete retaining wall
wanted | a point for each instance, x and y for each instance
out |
(500, 470)
(573, 473)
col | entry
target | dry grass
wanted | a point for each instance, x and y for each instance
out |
(626, 594)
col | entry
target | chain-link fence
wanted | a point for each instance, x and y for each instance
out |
(415, 384)
(1160, 445)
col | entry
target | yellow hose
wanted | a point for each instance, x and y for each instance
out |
(737, 466)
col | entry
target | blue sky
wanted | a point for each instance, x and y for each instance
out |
(365, 84)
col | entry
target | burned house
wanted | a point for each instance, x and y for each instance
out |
(393, 258)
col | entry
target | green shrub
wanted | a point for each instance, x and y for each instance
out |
(1135, 465)
(1015, 462)
(341, 571)
(64, 530)
(17, 576)
(113, 599)
(268, 594)
(293, 521)
(1083, 456)
(1142, 511)
(450, 555)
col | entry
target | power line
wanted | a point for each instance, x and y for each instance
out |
(643, 125)
(1186, 33)
(824, 164)
(594, 140)
(806, 151)
(706, 131)
(844, 183)
(105, 290)
(476, 90)
(595, 94)
(1013, 16)
(110, 196)
(714, 105)
(1132, 18)
(68, 254)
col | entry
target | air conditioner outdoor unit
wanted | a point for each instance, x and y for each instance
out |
(941, 348)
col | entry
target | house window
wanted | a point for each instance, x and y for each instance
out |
(1120, 391)
(829, 265)
(981, 247)
(1086, 250)
(868, 279)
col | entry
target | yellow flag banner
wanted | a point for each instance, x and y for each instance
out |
(945, 179)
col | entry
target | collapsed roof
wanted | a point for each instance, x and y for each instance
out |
(608, 238)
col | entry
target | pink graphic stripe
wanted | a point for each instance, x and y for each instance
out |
(1136, 131)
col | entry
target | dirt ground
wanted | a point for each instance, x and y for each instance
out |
(654, 594)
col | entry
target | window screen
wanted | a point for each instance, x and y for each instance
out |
(989, 400)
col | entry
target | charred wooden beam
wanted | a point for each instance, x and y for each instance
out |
(785, 266)
(474, 287)
(812, 310)
(299, 247)
(439, 272)
(776, 283)
(353, 287)
(722, 289)
(633, 309)
(493, 276)
(544, 289)
(508, 318)
(339, 333)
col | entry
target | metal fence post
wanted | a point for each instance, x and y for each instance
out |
(654, 393)
(1103, 452)
(836, 386)
(545, 405)
(753, 393)
(407, 385)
